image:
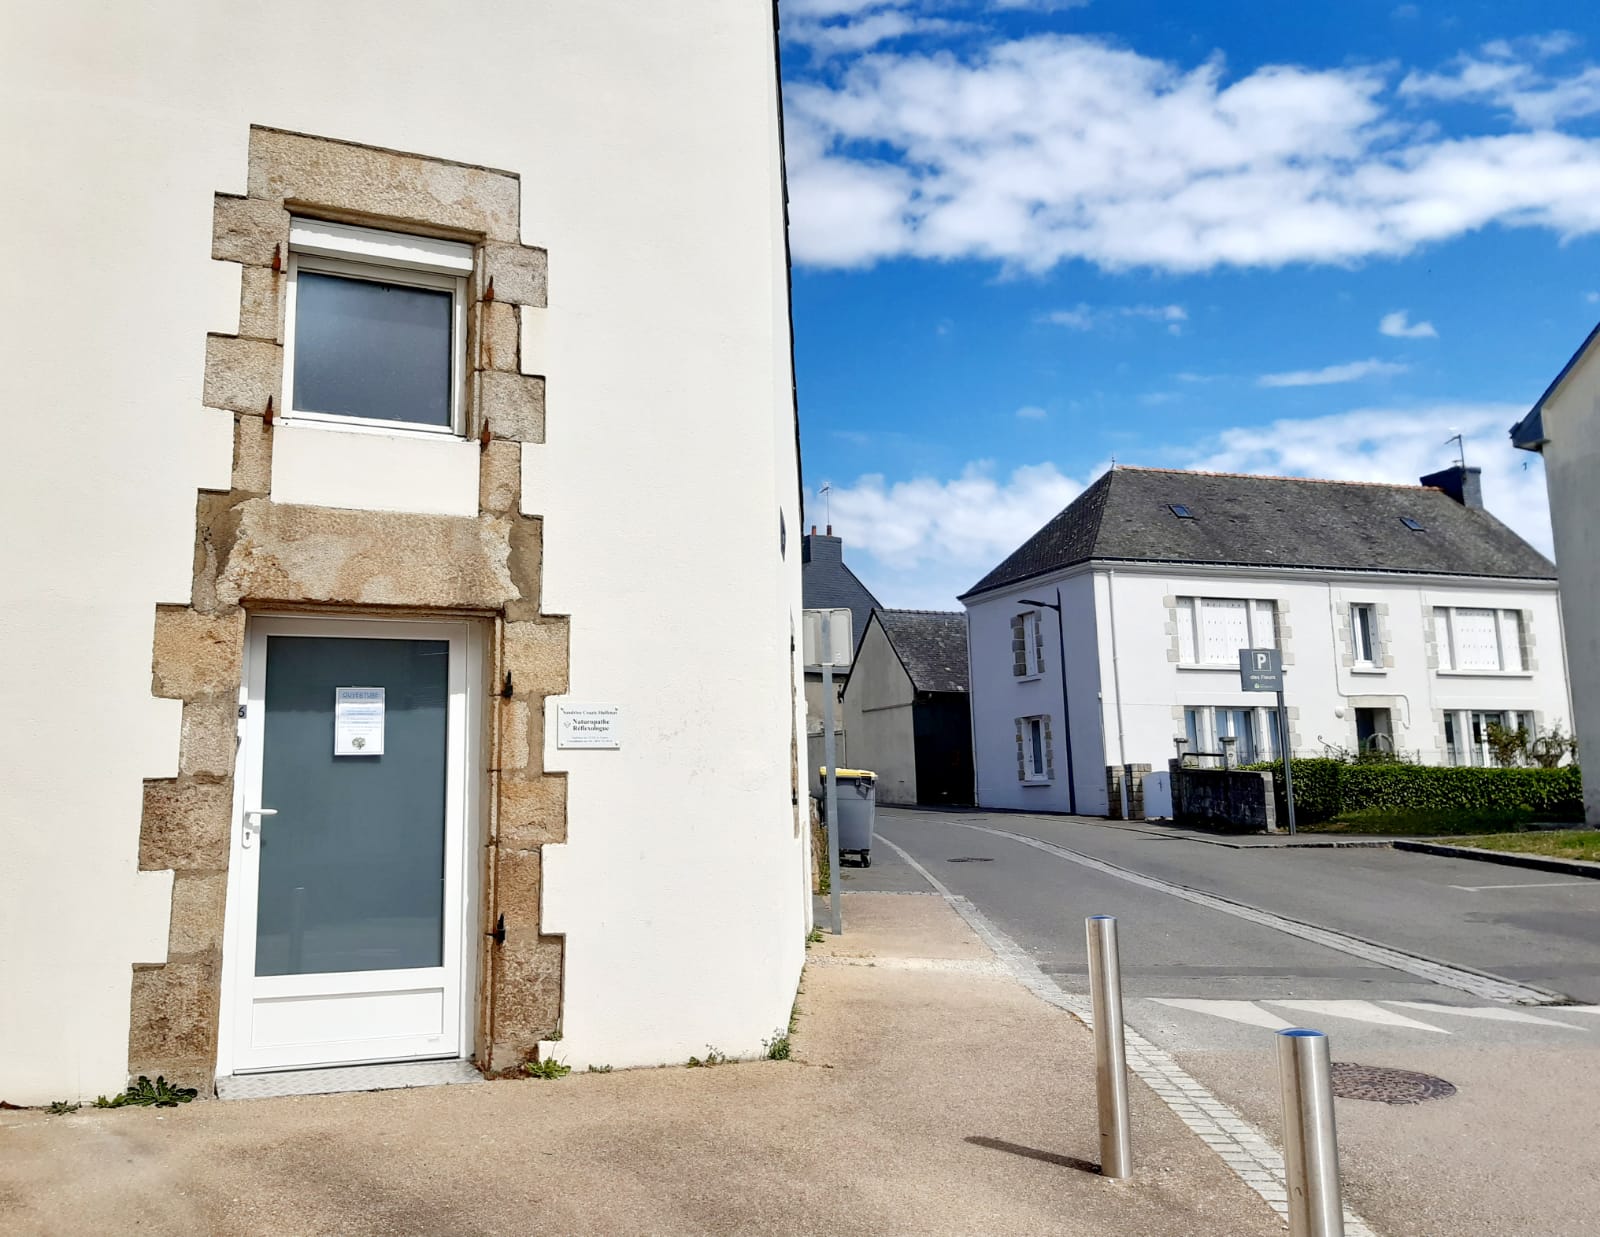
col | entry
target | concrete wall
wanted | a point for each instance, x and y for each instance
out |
(1128, 696)
(1571, 466)
(877, 709)
(1323, 689)
(648, 153)
(999, 698)
(1223, 799)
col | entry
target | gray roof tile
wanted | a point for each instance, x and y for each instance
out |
(932, 646)
(1270, 522)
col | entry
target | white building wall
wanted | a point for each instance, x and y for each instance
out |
(999, 698)
(1142, 689)
(647, 143)
(1322, 689)
(1571, 465)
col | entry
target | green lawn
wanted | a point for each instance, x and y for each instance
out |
(1425, 824)
(1559, 844)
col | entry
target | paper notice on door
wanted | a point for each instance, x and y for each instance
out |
(358, 721)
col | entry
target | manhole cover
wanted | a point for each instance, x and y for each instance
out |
(1387, 1086)
(970, 859)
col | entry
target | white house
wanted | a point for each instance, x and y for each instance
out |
(1408, 618)
(1564, 427)
(364, 376)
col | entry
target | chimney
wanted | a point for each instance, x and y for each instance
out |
(830, 530)
(1465, 485)
(813, 530)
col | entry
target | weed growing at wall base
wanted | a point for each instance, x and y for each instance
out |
(546, 1069)
(147, 1094)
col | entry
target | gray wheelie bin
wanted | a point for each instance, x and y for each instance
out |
(858, 809)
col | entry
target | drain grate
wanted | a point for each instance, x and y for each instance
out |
(970, 859)
(1384, 1085)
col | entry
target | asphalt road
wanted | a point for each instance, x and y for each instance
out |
(1510, 1152)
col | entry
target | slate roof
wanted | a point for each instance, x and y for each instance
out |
(827, 584)
(931, 645)
(1251, 521)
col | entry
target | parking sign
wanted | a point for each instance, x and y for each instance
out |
(1260, 670)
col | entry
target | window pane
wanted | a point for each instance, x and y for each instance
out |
(369, 349)
(1186, 630)
(1361, 622)
(352, 865)
(1264, 632)
(1511, 639)
(1477, 645)
(1036, 734)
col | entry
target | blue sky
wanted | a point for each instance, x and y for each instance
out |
(1033, 237)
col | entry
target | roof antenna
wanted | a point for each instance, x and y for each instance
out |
(827, 506)
(1461, 447)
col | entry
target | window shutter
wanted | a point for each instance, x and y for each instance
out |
(1019, 650)
(1038, 643)
(1225, 629)
(1477, 642)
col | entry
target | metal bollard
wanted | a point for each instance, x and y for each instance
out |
(1310, 1144)
(1110, 1058)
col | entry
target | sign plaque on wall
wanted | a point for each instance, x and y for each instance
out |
(358, 721)
(589, 725)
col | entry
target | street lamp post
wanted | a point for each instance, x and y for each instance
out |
(1066, 705)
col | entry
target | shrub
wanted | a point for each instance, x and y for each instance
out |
(1326, 789)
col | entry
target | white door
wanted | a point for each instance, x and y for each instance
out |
(348, 852)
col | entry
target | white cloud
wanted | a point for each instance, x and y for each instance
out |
(1506, 74)
(1399, 326)
(924, 541)
(1038, 150)
(1083, 317)
(1354, 371)
(1592, 297)
(1032, 412)
(1079, 319)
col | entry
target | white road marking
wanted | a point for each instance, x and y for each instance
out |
(1247, 1012)
(1240, 1145)
(1359, 1011)
(1529, 885)
(1490, 987)
(1495, 1013)
(1579, 1009)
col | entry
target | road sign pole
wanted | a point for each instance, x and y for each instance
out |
(1288, 758)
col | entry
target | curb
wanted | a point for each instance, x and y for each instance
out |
(1541, 863)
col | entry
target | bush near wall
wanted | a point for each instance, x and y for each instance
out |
(1327, 789)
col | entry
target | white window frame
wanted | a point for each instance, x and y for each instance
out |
(1508, 635)
(1035, 775)
(1208, 737)
(1372, 658)
(388, 257)
(1032, 640)
(1261, 628)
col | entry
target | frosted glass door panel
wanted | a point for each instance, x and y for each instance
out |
(352, 865)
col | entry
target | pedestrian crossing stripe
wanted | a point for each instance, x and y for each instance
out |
(1254, 1013)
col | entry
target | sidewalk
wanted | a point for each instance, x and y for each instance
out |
(928, 1094)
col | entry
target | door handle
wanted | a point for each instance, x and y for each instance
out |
(251, 824)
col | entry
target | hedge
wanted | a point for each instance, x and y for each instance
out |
(1325, 789)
